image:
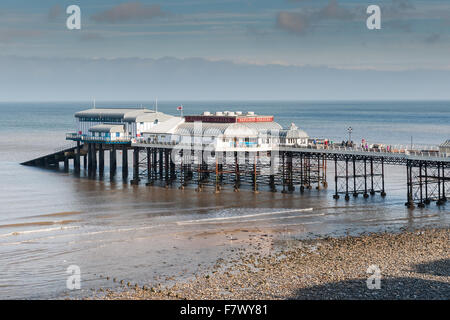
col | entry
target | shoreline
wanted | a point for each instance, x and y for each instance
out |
(413, 265)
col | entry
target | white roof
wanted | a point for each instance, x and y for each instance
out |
(148, 116)
(126, 115)
(245, 129)
(240, 130)
(203, 129)
(110, 113)
(167, 126)
(107, 128)
(293, 132)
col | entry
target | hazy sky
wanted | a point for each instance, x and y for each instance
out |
(313, 34)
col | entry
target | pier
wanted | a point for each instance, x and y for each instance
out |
(236, 151)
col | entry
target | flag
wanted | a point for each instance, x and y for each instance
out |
(179, 108)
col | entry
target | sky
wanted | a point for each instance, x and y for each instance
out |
(243, 49)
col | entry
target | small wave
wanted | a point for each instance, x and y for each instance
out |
(267, 219)
(16, 233)
(38, 223)
(244, 216)
(56, 214)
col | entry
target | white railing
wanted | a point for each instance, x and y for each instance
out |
(82, 137)
(393, 150)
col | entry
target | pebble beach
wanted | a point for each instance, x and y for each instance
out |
(412, 265)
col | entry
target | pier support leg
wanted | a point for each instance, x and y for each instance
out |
(383, 192)
(77, 158)
(372, 190)
(255, 177)
(421, 201)
(302, 178)
(90, 159)
(427, 199)
(172, 167)
(149, 166)
(217, 184)
(101, 160)
(336, 194)
(444, 179)
(66, 164)
(112, 161)
(355, 193)
(155, 163)
(135, 166)
(366, 194)
(439, 198)
(283, 173)
(237, 180)
(409, 185)
(347, 196)
(290, 173)
(94, 160)
(166, 166)
(161, 163)
(125, 162)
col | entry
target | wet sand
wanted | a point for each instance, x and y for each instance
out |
(413, 265)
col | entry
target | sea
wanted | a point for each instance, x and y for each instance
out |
(107, 230)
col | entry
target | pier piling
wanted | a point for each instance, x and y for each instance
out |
(125, 162)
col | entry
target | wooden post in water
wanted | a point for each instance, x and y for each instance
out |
(77, 158)
(112, 161)
(101, 160)
(124, 162)
(135, 166)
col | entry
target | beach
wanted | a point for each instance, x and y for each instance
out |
(412, 265)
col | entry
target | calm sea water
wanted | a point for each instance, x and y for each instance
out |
(50, 220)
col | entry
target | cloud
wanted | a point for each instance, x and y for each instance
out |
(11, 35)
(94, 37)
(299, 23)
(334, 11)
(55, 12)
(197, 78)
(401, 25)
(397, 8)
(402, 4)
(293, 22)
(433, 38)
(253, 31)
(129, 11)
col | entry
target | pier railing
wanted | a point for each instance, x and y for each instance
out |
(86, 138)
(393, 151)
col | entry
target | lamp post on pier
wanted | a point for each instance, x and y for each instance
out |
(349, 130)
